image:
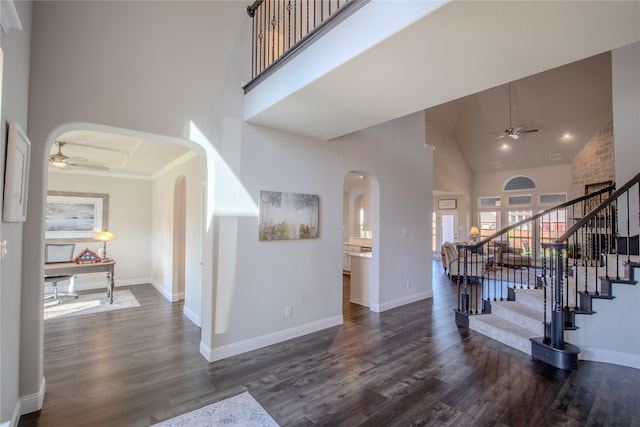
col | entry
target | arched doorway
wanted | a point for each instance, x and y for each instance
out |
(360, 232)
(179, 235)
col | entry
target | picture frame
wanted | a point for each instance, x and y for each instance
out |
(288, 216)
(447, 204)
(16, 180)
(75, 217)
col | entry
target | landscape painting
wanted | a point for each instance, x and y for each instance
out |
(74, 216)
(288, 216)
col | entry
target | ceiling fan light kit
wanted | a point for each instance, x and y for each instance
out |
(64, 162)
(512, 132)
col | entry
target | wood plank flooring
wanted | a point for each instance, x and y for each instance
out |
(405, 367)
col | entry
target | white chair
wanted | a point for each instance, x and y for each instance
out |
(476, 263)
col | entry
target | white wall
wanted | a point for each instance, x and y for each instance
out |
(394, 154)
(15, 90)
(625, 64)
(161, 243)
(147, 78)
(129, 219)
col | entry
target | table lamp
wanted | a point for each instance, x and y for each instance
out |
(474, 233)
(104, 236)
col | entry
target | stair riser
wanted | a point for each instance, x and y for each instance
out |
(517, 342)
(505, 312)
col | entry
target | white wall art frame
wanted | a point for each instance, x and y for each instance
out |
(16, 180)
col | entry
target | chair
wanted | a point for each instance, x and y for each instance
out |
(58, 253)
(54, 280)
(476, 263)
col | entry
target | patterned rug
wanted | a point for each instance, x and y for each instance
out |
(241, 410)
(89, 304)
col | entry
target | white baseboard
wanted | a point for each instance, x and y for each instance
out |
(219, 353)
(32, 402)
(191, 316)
(166, 294)
(378, 308)
(100, 285)
(15, 417)
(607, 356)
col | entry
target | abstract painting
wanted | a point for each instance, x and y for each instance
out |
(288, 216)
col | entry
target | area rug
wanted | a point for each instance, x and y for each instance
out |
(241, 410)
(89, 304)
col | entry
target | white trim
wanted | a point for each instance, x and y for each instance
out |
(607, 356)
(167, 295)
(32, 402)
(233, 349)
(378, 308)
(15, 417)
(189, 314)
(101, 284)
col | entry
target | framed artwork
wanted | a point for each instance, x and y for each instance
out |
(16, 180)
(447, 204)
(75, 217)
(288, 216)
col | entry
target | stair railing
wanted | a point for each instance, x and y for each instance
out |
(281, 28)
(599, 232)
(512, 256)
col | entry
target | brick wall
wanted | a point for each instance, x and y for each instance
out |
(595, 163)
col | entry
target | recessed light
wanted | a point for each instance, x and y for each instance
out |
(567, 137)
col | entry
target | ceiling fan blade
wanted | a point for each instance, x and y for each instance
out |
(94, 166)
(528, 131)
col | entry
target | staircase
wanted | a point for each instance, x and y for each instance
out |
(520, 318)
(528, 299)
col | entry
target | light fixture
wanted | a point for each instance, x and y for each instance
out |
(104, 236)
(474, 232)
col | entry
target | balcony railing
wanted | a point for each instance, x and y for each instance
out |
(283, 27)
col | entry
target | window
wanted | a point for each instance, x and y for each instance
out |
(523, 232)
(520, 183)
(553, 198)
(489, 202)
(488, 223)
(519, 200)
(433, 230)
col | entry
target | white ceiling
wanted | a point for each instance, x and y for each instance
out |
(123, 155)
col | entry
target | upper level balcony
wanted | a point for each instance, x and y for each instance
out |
(378, 59)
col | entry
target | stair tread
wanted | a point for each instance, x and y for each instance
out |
(505, 332)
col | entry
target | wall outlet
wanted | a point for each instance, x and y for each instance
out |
(287, 311)
(408, 284)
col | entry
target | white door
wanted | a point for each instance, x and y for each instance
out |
(448, 230)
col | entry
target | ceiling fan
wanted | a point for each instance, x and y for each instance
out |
(512, 132)
(64, 162)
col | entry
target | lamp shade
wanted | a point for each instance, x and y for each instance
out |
(474, 231)
(105, 236)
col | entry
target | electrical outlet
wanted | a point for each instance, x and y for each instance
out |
(408, 284)
(287, 311)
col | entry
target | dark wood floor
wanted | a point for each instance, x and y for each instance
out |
(407, 366)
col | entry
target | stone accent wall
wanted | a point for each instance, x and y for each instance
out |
(595, 163)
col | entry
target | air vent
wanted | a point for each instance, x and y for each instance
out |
(495, 165)
(554, 157)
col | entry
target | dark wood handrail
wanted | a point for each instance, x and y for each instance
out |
(538, 215)
(251, 9)
(605, 203)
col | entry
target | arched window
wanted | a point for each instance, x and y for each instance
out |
(520, 183)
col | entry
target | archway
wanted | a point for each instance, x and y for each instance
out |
(32, 324)
(361, 225)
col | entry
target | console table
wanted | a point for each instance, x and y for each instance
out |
(63, 268)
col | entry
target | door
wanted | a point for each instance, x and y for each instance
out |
(448, 227)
